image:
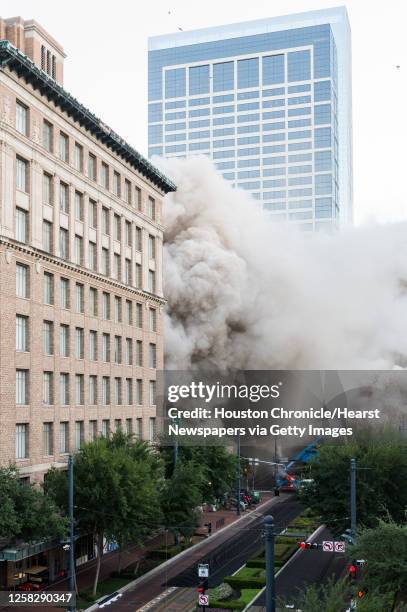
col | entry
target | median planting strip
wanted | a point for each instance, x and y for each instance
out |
(250, 580)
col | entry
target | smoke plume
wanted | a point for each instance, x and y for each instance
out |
(250, 294)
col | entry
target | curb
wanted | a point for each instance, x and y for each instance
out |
(195, 547)
(290, 560)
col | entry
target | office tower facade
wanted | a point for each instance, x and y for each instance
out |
(270, 102)
(80, 265)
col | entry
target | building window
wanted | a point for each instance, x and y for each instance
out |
(64, 340)
(151, 247)
(105, 263)
(47, 236)
(152, 432)
(47, 437)
(22, 441)
(48, 337)
(22, 174)
(138, 198)
(151, 281)
(117, 224)
(152, 394)
(78, 157)
(79, 436)
(48, 388)
(64, 293)
(152, 355)
(47, 188)
(117, 267)
(63, 243)
(118, 391)
(79, 343)
(129, 312)
(139, 353)
(129, 426)
(127, 271)
(21, 225)
(43, 58)
(63, 198)
(151, 208)
(129, 351)
(93, 214)
(21, 118)
(128, 232)
(105, 428)
(79, 389)
(93, 430)
(80, 298)
(93, 390)
(139, 391)
(116, 184)
(106, 306)
(93, 301)
(139, 315)
(139, 239)
(129, 391)
(92, 256)
(153, 319)
(92, 167)
(105, 175)
(106, 347)
(139, 276)
(22, 280)
(47, 136)
(48, 288)
(21, 333)
(105, 221)
(127, 191)
(78, 250)
(63, 147)
(21, 387)
(117, 349)
(105, 391)
(64, 388)
(117, 309)
(93, 345)
(64, 437)
(78, 206)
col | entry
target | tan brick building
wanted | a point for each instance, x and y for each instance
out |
(80, 265)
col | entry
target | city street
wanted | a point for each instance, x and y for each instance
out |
(174, 587)
(308, 566)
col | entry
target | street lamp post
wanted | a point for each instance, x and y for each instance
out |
(238, 476)
(270, 581)
(353, 498)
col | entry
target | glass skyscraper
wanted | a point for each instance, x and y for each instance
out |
(270, 102)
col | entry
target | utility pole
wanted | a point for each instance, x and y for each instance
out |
(353, 498)
(270, 581)
(238, 475)
(71, 530)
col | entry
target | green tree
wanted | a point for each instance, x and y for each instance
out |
(217, 463)
(116, 491)
(381, 481)
(385, 549)
(181, 496)
(26, 512)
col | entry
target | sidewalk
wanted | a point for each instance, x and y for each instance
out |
(110, 562)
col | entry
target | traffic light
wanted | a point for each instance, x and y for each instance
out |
(203, 585)
(308, 545)
(360, 594)
(352, 571)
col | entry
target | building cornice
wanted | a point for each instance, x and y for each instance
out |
(40, 255)
(24, 67)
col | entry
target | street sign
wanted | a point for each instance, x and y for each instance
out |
(203, 600)
(328, 546)
(339, 547)
(203, 570)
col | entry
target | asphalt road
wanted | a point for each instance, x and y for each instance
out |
(308, 566)
(174, 587)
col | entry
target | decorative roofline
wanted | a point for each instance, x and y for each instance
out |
(18, 62)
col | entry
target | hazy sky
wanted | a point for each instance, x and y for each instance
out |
(106, 69)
